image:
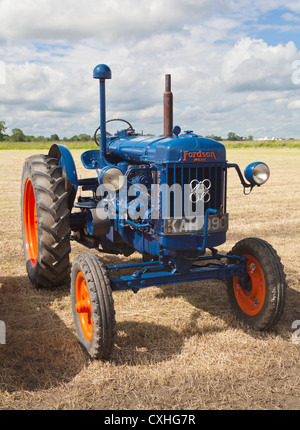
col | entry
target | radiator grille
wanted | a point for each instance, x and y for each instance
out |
(184, 175)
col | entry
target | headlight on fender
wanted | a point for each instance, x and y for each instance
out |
(257, 173)
(112, 178)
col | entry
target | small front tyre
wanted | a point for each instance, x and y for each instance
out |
(93, 306)
(260, 302)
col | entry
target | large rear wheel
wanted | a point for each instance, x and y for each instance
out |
(259, 302)
(45, 222)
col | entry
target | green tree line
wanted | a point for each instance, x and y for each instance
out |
(232, 137)
(17, 135)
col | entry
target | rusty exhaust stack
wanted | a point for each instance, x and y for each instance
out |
(168, 108)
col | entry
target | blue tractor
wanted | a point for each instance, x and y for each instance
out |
(164, 197)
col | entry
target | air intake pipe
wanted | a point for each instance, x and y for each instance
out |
(102, 72)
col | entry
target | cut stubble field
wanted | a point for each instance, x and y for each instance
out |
(177, 347)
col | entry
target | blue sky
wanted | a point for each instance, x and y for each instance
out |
(234, 65)
(277, 26)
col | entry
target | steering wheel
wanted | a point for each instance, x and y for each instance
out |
(109, 134)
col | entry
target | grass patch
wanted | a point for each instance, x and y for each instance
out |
(46, 145)
(91, 144)
(263, 144)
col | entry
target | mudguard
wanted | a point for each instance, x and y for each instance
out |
(66, 161)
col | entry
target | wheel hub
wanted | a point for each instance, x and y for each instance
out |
(250, 293)
(83, 307)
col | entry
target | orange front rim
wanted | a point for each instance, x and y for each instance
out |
(252, 299)
(30, 223)
(83, 307)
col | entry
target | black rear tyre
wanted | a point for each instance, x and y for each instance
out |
(93, 306)
(260, 302)
(45, 222)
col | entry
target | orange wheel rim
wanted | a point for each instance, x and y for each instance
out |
(30, 223)
(251, 301)
(83, 307)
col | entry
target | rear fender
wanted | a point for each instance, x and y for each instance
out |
(66, 161)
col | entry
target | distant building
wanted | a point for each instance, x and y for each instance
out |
(266, 138)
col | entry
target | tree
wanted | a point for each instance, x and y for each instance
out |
(234, 137)
(2, 130)
(74, 139)
(54, 138)
(29, 138)
(84, 137)
(17, 135)
(213, 137)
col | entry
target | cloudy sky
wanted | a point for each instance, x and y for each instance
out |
(235, 65)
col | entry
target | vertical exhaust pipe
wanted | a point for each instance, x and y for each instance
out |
(168, 108)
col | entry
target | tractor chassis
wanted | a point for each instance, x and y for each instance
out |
(153, 273)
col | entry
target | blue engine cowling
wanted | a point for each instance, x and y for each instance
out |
(160, 150)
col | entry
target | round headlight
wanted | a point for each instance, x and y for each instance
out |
(112, 178)
(261, 173)
(257, 173)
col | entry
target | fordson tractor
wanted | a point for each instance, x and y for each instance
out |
(164, 197)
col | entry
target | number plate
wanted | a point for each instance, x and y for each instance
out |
(196, 225)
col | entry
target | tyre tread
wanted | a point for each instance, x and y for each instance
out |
(100, 293)
(53, 267)
(274, 276)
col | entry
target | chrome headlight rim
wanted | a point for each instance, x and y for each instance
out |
(261, 176)
(257, 173)
(112, 178)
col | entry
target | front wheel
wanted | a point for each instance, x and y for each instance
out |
(259, 302)
(93, 306)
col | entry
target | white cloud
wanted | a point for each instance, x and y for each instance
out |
(291, 17)
(254, 65)
(295, 104)
(293, 5)
(223, 79)
(109, 19)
